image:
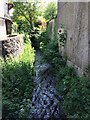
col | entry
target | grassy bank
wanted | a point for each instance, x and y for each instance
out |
(17, 84)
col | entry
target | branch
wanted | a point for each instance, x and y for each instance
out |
(24, 15)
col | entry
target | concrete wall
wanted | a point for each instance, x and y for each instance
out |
(89, 38)
(2, 21)
(74, 18)
(50, 28)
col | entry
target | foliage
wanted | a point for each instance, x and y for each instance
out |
(17, 81)
(14, 27)
(75, 92)
(50, 11)
(76, 95)
(34, 39)
(50, 51)
(26, 37)
(25, 14)
(28, 54)
(74, 89)
(62, 36)
(43, 37)
(39, 39)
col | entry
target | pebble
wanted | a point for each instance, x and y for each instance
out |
(46, 105)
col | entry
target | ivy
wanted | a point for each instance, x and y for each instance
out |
(62, 36)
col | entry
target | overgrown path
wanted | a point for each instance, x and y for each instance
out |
(45, 100)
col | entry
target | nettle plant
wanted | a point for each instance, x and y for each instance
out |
(62, 36)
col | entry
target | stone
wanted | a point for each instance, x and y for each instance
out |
(12, 46)
(45, 96)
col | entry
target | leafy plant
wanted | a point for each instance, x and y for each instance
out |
(76, 97)
(34, 38)
(17, 82)
(50, 11)
(62, 36)
(26, 14)
(50, 50)
(74, 90)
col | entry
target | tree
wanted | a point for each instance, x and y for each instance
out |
(25, 14)
(50, 11)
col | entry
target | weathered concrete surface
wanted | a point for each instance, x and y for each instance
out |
(45, 100)
(74, 17)
(89, 38)
(50, 28)
(2, 21)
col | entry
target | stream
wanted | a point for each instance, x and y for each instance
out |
(45, 100)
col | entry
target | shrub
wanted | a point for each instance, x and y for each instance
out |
(50, 50)
(17, 81)
(74, 89)
(26, 38)
(62, 36)
(43, 37)
(76, 97)
(34, 35)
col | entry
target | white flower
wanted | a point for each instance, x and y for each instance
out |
(60, 30)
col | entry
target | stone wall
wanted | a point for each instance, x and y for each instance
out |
(11, 46)
(74, 19)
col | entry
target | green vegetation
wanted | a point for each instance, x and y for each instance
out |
(62, 36)
(18, 85)
(17, 82)
(50, 11)
(25, 15)
(18, 74)
(74, 89)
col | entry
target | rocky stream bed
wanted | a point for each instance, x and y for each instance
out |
(45, 100)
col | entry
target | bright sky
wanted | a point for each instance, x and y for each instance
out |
(42, 0)
(49, 0)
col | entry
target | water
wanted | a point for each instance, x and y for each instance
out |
(45, 100)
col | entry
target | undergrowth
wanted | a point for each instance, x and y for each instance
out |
(17, 85)
(74, 89)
